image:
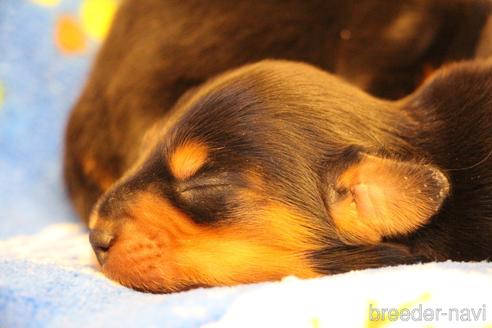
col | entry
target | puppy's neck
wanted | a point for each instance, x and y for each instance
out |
(453, 125)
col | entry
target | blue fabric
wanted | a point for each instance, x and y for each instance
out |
(72, 299)
(39, 84)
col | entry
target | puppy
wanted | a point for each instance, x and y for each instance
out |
(279, 168)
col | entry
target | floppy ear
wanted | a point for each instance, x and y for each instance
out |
(378, 197)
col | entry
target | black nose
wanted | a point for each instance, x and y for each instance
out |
(101, 241)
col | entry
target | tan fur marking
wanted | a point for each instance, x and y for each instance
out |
(102, 178)
(187, 159)
(161, 249)
(93, 219)
(427, 71)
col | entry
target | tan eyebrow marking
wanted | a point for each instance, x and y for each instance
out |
(187, 159)
(97, 174)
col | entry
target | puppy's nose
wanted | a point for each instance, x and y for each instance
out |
(101, 241)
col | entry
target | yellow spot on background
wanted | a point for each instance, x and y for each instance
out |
(69, 35)
(48, 3)
(2, 94)
(96, 17)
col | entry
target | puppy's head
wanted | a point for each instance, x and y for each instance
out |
(273, 169)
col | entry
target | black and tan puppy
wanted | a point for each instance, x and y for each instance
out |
(280, 168)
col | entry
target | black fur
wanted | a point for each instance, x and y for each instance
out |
(291, 123)
(157, 50)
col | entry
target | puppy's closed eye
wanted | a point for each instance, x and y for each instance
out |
(206, 201)
(203, 185)
(219, 187)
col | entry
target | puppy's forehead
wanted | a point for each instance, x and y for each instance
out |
(211, 126)
(244, 116)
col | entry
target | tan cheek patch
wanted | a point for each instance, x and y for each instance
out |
(266, 247)
(187, 159)
(161, 249)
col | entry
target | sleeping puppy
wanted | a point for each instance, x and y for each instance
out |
(279, 168)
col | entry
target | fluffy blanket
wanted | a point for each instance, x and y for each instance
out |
(47, 275)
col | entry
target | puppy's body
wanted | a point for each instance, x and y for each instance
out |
(241, 181)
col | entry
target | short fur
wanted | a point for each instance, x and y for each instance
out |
(260, 150)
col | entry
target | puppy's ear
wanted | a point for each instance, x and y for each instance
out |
(378, 197)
